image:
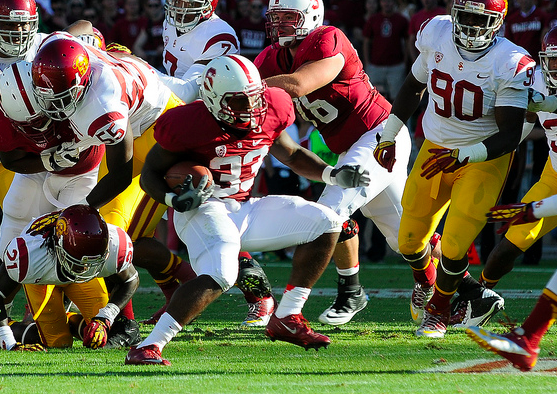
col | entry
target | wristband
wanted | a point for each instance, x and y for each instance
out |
(391, 129)
(475, 153)
(168, 197)
(109, 312)
(545, 208)
(326, 175)
(7, 339)
(527, 128)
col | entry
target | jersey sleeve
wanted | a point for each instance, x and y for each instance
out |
(430, 30)
(170, 131)
(516, 76)
(280, 113)
(221, 40)
(322, 43)
(120, 252)
(16, 260)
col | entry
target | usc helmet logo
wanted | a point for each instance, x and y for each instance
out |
(81, 64)
(61, 226)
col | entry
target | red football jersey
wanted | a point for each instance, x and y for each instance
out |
(344, 109)
(233, 161)
(11, 139)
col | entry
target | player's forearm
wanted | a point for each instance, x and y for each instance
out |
(27, 164)
(122, 293)
(510, 121)
(112, 184)
(408, 98)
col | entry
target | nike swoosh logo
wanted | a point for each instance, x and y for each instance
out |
(256, 142)
(290, 330)
(480, 76)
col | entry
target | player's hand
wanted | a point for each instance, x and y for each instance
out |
(539, 102)
(384, 153)
(442, 160)
(33, 347)
(350, 176)
(192, 197)
(66, 155)
(95, 334)
(511, 214)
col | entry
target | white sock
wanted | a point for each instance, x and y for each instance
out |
(348, 271)
(292, 302)
(165, 329)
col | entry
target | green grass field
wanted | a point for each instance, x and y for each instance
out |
(376, 353)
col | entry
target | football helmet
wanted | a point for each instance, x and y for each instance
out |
(548, 52)
(476, 22)
(289, 21)
(61, 75)
(19, 23)
(184, 15)
(81, 242)
(233, 91)
(95, 40)
(20, 106)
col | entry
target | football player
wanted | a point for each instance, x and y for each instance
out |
(68, 249)
(193, 35)
(478, 93)
(318, 66)
(242, 120)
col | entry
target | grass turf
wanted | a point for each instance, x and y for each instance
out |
(376, 353)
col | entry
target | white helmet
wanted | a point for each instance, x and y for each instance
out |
(292, 20)
(20, 106)
(476, 23)
(233, 91)
(548, 52)
(184, 15)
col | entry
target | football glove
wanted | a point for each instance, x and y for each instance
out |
(192, 197)
(511, 214)
(539, 102)
(347, 177)
(96, 333)
(442, 160)
(64, 156)
(32, 347)
(384, 153)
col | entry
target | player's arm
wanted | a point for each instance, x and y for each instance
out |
(126, 283)
(80, 27)
(309, 77)
(119, 161)
(307, 164)
(158, 161)
(510, 123)
(22, 162)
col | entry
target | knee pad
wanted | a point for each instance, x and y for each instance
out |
(349, 230)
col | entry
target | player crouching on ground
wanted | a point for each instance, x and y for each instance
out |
(230, 131)
(64, 248)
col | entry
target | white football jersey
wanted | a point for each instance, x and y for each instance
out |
(209, 39)
(548, 120)
(29, 56)
(463, 94)
(29, 261)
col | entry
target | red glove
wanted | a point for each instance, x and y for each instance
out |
(442, 160)
(33, 347)
(96, 333)
(384, 153)
(511, 214)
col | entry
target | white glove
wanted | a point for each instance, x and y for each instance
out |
(65, 155)
(346, 176)
(539, 102)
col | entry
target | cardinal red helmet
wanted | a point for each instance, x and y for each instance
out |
(19, 21)
(290, 21)
(184, 15)
(21, 107)
(96, 39)
(81, 242)
(476, 22)
(549, 52)
(233, 92)
(61, 74)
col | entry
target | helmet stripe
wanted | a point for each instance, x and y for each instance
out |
(244, 68)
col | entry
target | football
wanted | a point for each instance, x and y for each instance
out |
(176, 174)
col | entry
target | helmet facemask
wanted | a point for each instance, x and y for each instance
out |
(548, 61)
(244, 110)
(81, 270)
(17, 33)
(61, 106)
(474, 28)
(184, 15)
(284, 27)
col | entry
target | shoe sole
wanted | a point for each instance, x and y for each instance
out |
(166, 363)
(430, 334)
(254, 284)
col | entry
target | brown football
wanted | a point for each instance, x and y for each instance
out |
(176, 174)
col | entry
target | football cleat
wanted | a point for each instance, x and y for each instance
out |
(475, 308)
(156, 316)
(345, 306)
(513, 346)
(434, 325)
(252, 278)
(294, 329)
(147, 355)
(123, 333)
(260, 312)
(420, 297)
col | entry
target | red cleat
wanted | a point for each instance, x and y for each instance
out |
(294, 329)
(148, 355)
